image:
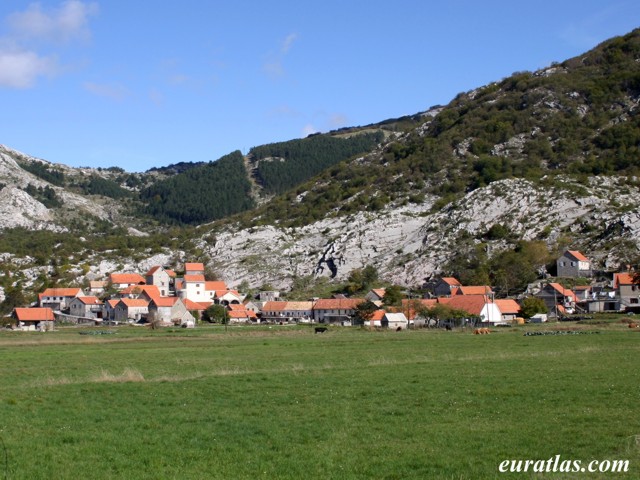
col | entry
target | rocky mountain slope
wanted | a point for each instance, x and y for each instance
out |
(411, 243)
(550, 156)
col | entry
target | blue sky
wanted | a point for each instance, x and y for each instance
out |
(142, 84)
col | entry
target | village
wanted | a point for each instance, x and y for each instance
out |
(161, 298)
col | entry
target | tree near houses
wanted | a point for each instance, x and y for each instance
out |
(392, 296)
(364, 311)
(361, 280)
(215, 314)
(443, 313)
(533, 305)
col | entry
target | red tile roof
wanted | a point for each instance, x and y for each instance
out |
(194, 266)
(191, 305)
(337, 303)
(128, 278)
(151, 290)
(242, 314)
(454, 282)
(623, 279)
(90, 300)
(134, 302)
(34, 314)
(567, 292)
(577, 255)
(473, 290)
(472, 304)
(164, 301)
(61, 292)
(194, 278)
(274, 306)
(215, 286)
(507, 305)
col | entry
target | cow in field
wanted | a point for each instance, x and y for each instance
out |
(481, 331)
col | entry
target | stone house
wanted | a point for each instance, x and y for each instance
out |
(446, 286)
(335, 310)
(628, 290)
(573, 264)
(86, 307)
(131, 309)
(375, 295)
(558, 299)
(162, 278)
(58, 298)
(170, 311)
(277, 311)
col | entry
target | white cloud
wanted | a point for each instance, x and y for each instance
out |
(338, 120)
(33, 30)
(20, 68)
(69, 21)
(288, 43)
(114, 92)
(308, 130)
(273, 67)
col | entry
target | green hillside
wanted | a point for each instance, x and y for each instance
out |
(575, 118)
(281, 166)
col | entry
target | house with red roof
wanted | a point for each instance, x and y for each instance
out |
(473, 290)
(193, 288)
(163, 278)
(481, 306)
(558, 299)
(124, 280)
(109, 309)
(376, 295)
(446, 286)
(239, 314)
(58, 298)
(170, 311)
(34, 319)
(335, 310)
(86, 307)
(131, 309)
(509, 309)
(194, 268)
(573, 263)
(627, 287)
(148, 292)
(278, 311)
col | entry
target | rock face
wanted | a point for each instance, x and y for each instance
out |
(410, 243)
(19, 209)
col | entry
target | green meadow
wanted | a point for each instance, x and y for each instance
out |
(285, 403)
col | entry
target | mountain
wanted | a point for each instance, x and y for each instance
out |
(548, 158)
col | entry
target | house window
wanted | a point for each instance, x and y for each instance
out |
(633, 300)
(573, 264)
(562, 264)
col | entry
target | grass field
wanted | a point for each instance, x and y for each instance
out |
(285, 403)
